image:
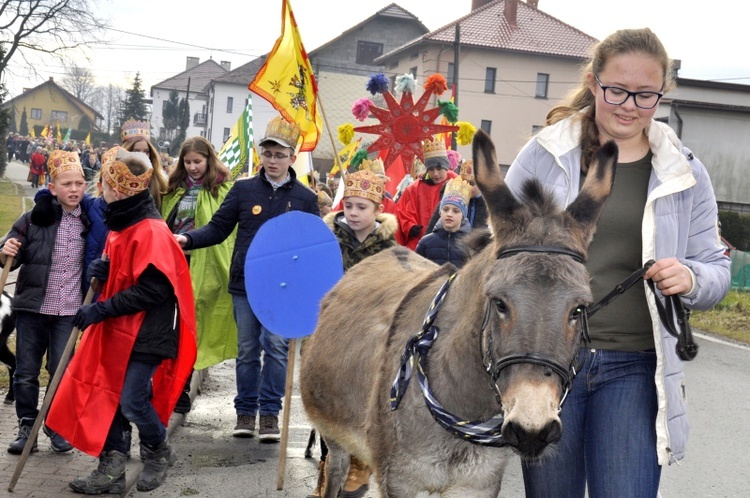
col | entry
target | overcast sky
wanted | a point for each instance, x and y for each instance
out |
(708, 37)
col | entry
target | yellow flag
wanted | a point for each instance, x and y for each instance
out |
(287, 81)
(345, 156)
(31, 132)
(88, 139)
(59, 135)
(45, 131)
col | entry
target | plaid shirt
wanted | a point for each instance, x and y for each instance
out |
(64, 294)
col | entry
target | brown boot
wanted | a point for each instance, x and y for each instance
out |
(356, 484)
(321, 486)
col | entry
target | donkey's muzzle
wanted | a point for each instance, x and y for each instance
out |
(531, 444)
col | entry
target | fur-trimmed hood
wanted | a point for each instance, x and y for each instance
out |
(387, 228)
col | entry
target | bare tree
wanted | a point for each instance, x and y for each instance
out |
(111, 101)
(51, 27)
(80, 82)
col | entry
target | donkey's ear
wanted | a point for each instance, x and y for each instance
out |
(500, 200)
(587, 207)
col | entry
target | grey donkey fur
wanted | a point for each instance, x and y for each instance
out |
(366, 320)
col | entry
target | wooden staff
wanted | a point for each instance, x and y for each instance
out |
(330, 135)
(4, 276)
(51, 388)
(287, 412)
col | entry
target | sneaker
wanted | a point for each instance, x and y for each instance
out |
(127, 441)
(357, 480)
(245, 426)
(16, 447)
(269, 429)
(58, 443)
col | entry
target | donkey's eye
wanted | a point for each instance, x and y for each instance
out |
(576, 313)
(500, 306)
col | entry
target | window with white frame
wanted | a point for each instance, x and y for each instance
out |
(489, 80)
(542, 85)
(230, 104)
(36, 113)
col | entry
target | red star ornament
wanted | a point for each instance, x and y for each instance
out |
(403, 127)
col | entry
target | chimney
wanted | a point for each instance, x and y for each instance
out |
(192, 62)
(227, 65)
(51, 78)
(475, 4)
(510, 11)
(533, 3)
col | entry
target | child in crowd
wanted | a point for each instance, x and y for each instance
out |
(262, 355)
(324, 202)
(442, 245)
(476, 210)
(362, 229)
(197, 187)
(49, 289)
(417, 202)
(141, 349)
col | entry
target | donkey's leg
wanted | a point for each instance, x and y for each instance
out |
(336, 468)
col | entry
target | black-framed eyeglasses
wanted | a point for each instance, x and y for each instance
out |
(278, 156)
(617, 96)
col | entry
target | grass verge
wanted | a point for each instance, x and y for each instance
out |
(11, 206)
(730, 318)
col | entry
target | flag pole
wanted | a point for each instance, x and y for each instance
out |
(330, 135)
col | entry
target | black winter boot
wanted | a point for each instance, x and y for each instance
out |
(109, 476)
(155, 464)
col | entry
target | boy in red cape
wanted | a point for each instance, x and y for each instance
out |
(143, 331)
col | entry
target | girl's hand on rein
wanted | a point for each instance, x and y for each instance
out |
(670, 276)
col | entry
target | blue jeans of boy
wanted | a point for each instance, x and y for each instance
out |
(608, 432)
(36, 334)
(136, 407)
(259, 388)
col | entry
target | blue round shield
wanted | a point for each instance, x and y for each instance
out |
(292, 262)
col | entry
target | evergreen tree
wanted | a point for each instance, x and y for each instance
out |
(184, 122)
(85, 124)
(171, 115)
(134, 105)
(24, 126)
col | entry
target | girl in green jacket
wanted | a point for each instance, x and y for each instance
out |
(197, 187)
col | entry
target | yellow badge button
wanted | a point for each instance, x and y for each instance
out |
(257, 209)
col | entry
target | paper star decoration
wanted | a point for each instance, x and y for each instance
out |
(403, 126)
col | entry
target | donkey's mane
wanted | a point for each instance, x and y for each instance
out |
(538, 199)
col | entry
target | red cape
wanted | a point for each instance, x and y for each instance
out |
(415, 207)
(86, 401)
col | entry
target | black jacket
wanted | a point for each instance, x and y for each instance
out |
(37, 238)
(152, 293)
(250, 203)
(443, 247)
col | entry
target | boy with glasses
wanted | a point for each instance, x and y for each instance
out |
(275, 190)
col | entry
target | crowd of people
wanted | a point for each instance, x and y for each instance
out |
(156, 318)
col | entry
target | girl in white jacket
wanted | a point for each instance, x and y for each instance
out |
(625, 415)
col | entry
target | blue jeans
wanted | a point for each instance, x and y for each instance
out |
(136, 407)
(258, 389)
(608, 432)
(36, 334)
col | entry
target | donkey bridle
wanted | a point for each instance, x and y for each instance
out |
(487, 432)
(495, 367)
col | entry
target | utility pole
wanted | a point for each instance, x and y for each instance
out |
(456, 52)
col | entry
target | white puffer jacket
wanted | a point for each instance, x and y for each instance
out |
(680, 220)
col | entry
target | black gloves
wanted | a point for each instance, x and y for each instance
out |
(98, 269)
(415, 231)
(93, 313)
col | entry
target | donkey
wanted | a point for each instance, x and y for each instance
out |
(493, 345)
(7, 326)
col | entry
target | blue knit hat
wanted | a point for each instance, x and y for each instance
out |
(457, 192)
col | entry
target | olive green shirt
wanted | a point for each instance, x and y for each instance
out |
(615, 253)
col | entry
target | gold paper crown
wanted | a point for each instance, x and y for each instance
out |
(364, 184)
(417, 168)
(457, 190)
(433, 148)
(376, 166)
(118, 175)
(132, 130)
(467, 170)
(282, 132)
(60, 160)
(324, 199)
